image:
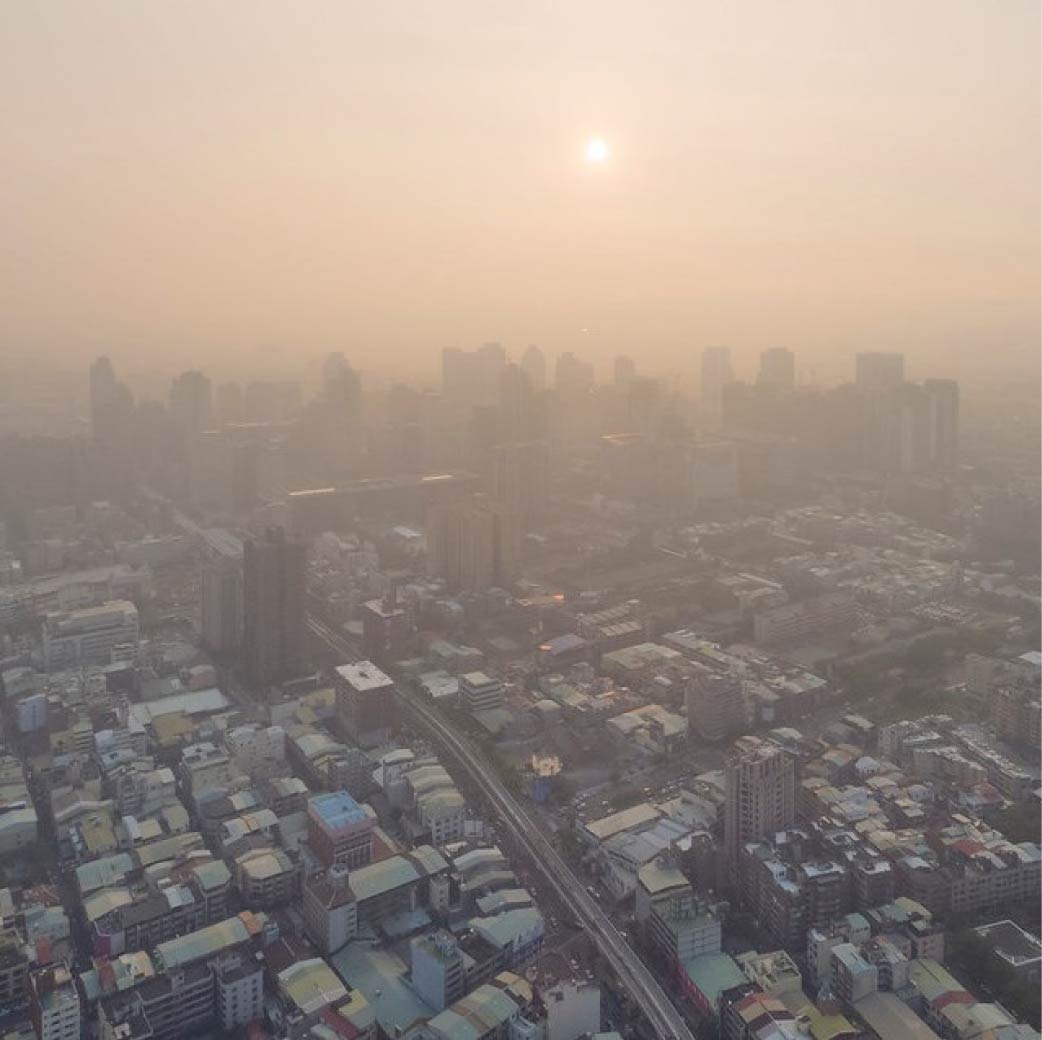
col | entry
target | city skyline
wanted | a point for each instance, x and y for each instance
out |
(232, 183)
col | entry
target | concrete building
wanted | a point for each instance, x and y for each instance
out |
(222, 590)
(792, 622)
(716, 374)
(268, 877)
(330, 910)
(492, 1012)
(876, 370)
(54, 1003)
(676, 922)
(474, 544)
(715, 706)
(437, 969)
(479, 692)
(387, 629)
(395, 885)
(853, 977)
(239, 984)
(14, 968)
(1019, 950)
(191, 402)
(273, 608)
(365, 703)
(521, 479)
(760, 782)
(777, 369)
(713, 471)
(204, 767)
(258, 752)
(340, 831)
(72, 638)
(195, 986)
(573, 1008)
(517, 934)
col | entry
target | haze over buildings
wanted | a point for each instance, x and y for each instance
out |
(793, 175)
(610, 609)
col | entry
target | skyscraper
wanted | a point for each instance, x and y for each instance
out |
(521, 478)
(944, 397)
(533, 364)
(625, 370)
(777, 369)
(716, 374)
(572, 376)
(273, 608)
(190, 402)
(474, 544)
(760, 791)
(516, 404)
(876, 370)
(221, 621)
(110, 402)
(229, 404)
(472, 377)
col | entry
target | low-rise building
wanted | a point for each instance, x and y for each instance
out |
(330, 910)
(340, 831)
(89, 635)
(55, 1003)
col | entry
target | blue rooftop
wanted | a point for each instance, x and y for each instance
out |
(337, 809)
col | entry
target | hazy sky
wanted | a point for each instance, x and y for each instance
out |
(194, 181)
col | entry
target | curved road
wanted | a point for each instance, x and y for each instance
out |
(642, 986)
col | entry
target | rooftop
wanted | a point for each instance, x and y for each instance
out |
(625, 820)
(311, 985)
(1010, 942)
(887, 1015)
(206, 942)
(380, 976)
(713, 973)
(476, 1015)
(363, 676)
(337, 810)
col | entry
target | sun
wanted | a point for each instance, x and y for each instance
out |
(597, 150)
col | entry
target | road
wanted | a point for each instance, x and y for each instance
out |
(634, 975)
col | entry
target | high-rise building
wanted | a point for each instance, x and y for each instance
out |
(533, 364)
(472, 377)
(387, 628)
(517, 418)
(521, 479)
(915, 429)
(760, 785)
(221, 615)
(716, 374)
(877, 370)
(944, 397)
(230, 405)
(474, 544)
(777, 369)
(365, 706)
(715, 706)
(110, 402)
(273, 608)
(190, 402)
(572, 376)
(912, 428)
(625, 370)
